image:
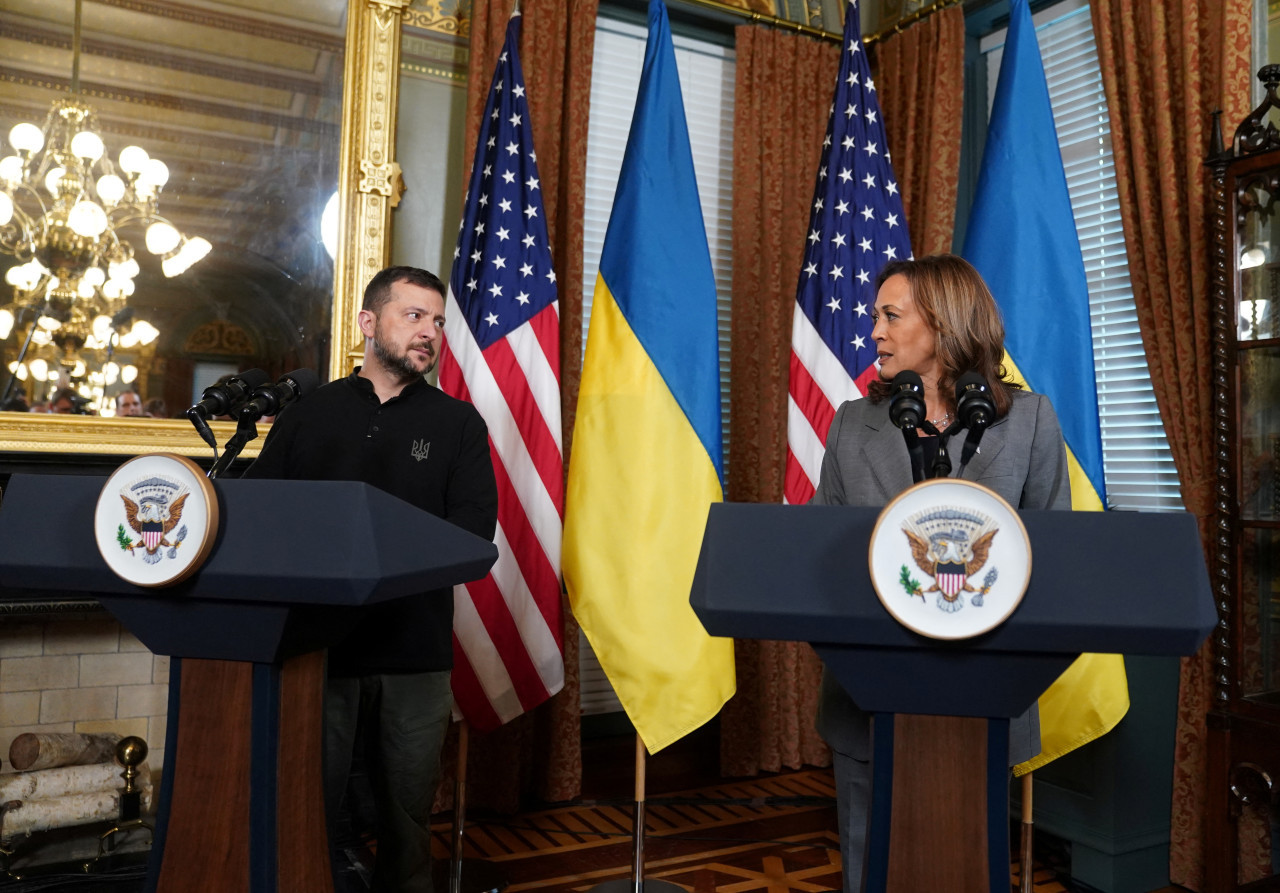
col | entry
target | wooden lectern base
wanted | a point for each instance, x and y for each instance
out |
(946, 827)
(243, 800)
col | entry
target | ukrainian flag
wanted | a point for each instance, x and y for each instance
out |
(1022, 239)
(646, 460)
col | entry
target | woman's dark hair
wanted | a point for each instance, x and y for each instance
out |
(968, 331)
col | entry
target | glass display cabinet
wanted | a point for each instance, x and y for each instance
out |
(1243, 821)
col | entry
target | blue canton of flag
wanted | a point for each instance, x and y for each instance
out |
(502, 273)
(856, 224)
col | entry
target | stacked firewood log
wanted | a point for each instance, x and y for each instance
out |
(63, 780)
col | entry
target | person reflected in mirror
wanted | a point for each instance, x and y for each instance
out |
(155, 409)
(129, 404)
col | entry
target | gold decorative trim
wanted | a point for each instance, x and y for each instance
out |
(384, 179)
(44, 433)
(370, 94)
(432, 73)
(457, 24)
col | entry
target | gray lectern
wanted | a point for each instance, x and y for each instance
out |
(242, 804)
(1108, 582)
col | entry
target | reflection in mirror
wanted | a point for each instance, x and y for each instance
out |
(154, 270)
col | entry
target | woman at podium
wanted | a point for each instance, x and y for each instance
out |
(934, 316)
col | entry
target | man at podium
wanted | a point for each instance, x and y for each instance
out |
(386, 426)
(933, 316)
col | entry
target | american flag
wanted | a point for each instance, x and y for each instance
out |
(856, 226)
(502, 352)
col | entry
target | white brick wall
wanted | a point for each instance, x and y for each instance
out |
(80, 675)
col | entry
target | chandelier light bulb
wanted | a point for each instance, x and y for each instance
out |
(6, 208)
(87, 145)
(41, 337)
(94, 276)
(133, 160)
(53, 180)
(101, 327)
(110, 189)
(6, 322)
(25, 277)
(79, 370)
(111, 372)
(128, 340)
(113, 288)
(88, 219)
(123, 269)
(156, 173)
(192, 250)
(85, 289)
(48, 323)
(39, 369)
(19, 370)
(26, 138)
(144, 331)
(11, 170)
(129, 374)
(162, 238)
(94, 377)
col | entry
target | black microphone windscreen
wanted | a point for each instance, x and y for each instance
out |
(253, 378)
(906, 399)
(974, 405)
(304, 381)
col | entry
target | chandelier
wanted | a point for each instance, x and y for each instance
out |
(63, 207)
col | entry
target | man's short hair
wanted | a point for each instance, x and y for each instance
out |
(378, 291)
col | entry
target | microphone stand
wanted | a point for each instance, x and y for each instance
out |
(246, 431)
(916, 451)
(941, 467)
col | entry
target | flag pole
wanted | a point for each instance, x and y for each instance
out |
(482, 876)
(637, 830)
(1024, 855)
(637, 883)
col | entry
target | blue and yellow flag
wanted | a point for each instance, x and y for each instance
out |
(646, 460)
(1022, 239)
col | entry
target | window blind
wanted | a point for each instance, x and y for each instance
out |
(707, 83)
(1138, 466)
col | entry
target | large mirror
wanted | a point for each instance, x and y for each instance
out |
(241, 103)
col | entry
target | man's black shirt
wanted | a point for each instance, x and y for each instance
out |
(425, 447)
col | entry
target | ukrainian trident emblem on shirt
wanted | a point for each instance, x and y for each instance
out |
(950, 545)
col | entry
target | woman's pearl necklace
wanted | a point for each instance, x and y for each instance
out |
(938, 421)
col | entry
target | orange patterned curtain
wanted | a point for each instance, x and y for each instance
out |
(1166, 65)
(782, 93)
(920, 81)
(541, 752)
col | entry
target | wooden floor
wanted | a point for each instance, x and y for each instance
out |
(775, 834)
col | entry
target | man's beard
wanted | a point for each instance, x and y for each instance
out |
(399, 364)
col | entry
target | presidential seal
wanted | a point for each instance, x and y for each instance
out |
(156, 519)
(949, 559)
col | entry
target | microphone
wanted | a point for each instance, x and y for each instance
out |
(269, 399)
(975, 410)
(221, 399)
(906, 400)
(906, 411)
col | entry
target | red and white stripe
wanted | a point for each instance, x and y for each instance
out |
(508, 653)
(819, 384)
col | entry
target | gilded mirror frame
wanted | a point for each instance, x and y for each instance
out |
(369, 186)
